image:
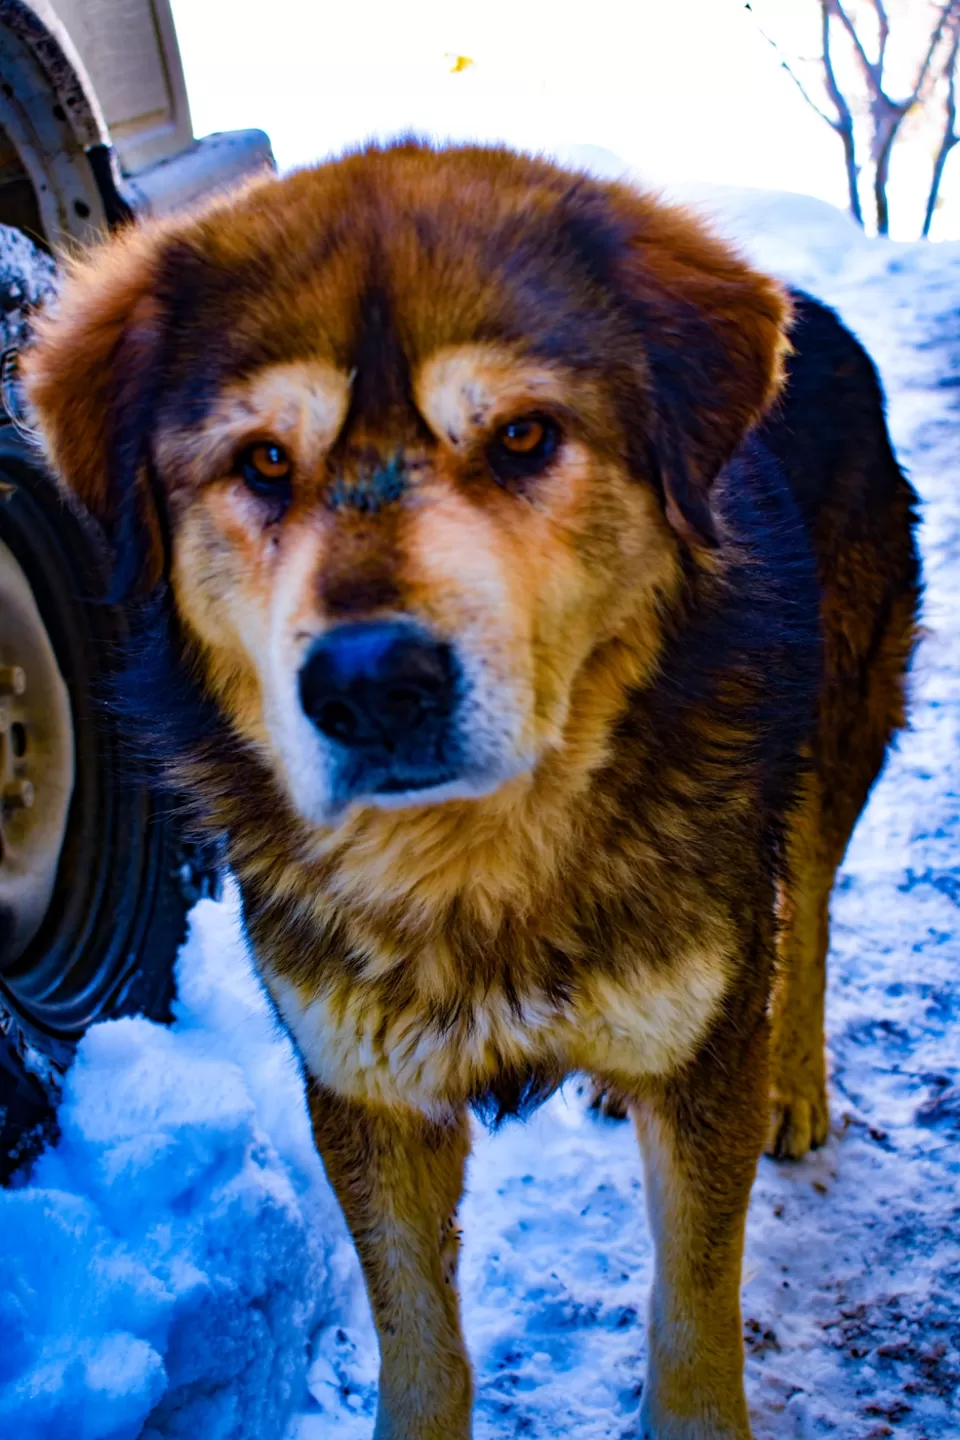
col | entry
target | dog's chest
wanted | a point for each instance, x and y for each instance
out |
(640, 1022)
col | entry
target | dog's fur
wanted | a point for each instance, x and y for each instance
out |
(683, 648)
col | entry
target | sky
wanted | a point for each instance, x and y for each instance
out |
(685, 91)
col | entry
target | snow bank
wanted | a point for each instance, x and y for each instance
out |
(797, 237)
(163, 1271)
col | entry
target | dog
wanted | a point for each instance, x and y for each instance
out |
(525, 587)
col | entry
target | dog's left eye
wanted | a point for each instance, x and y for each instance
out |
(523, 446)
(266, 468)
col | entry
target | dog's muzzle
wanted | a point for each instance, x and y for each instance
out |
(383, 693)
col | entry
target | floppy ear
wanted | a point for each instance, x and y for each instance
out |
(714, 333)
(90, 379)
(711, 339)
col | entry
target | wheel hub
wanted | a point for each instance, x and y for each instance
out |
(36, 762)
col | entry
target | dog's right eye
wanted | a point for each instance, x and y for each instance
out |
(523, 447)
(266, 469)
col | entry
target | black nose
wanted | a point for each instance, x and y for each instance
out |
(377, 684)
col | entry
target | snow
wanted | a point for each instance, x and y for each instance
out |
(162, 1270)
(177, 1266)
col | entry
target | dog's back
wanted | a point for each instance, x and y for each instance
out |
(829, 433)
(828, 430)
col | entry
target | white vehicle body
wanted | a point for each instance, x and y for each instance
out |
(94, 120)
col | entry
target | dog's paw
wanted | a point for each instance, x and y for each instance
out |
(798, 1123)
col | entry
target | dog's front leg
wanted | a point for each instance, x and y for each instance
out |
(399, 1177)
(701, 1136)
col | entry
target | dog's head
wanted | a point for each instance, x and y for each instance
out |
(411, 436)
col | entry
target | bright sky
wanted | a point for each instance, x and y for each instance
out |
(682, 90)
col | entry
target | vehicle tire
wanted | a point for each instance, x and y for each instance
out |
(96, 875)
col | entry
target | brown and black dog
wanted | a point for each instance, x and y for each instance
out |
(524, 588)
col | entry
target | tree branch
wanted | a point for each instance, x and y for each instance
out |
(883, 29)
(951, 12)
(889, 115)
(844, 115)
(784, 65)
(844, 123)
(950, 136)
(871, 71)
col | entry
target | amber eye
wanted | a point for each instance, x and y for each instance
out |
(523, 447)
(266, 468)
(522, 437)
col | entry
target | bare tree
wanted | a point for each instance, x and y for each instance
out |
(868, 95)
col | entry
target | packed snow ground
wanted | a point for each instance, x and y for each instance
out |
(177, 1266)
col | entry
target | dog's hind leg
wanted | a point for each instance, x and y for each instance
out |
(398, 1177)
(701, 1135)
(861, 709)
(799, 1110)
